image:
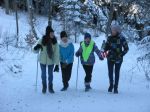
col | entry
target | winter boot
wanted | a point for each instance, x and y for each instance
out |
(110, 88)
(44, 88)
(64, 89)
(115, 89)
(66, 85)
(51, 89)
(87, 88)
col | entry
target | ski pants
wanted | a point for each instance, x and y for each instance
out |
(66, 73)
(88, 71)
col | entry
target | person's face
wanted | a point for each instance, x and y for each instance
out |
(51, 34)
(65, 39)
(113, 32)
(87, 40)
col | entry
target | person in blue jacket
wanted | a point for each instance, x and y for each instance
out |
(66, 59)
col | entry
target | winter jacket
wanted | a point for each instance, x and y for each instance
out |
(91, 59)
(43, 56)
(66, 51)
(117, 47)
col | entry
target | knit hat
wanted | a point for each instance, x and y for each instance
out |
(116, 28)
(87, 35)
(63, 34)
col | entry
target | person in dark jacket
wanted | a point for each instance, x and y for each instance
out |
(86, 53)
(116, 47)
(66, 49)
(49, 56)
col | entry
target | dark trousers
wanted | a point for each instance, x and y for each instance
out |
(88, 71)
(50, 74)
(111, 68)
(66, 73)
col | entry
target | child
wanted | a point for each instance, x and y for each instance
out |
(86, 53)
(66, 59)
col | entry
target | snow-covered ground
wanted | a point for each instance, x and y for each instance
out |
(17, 91)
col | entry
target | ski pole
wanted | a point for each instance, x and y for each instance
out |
(77, 74)
(36, 80)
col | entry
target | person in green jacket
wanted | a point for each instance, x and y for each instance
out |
(49, 56)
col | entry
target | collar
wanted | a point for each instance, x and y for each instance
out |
(65, 44)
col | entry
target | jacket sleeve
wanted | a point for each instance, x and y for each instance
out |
(79, 51)
(107, 45)
(37, 51)
(125, 46)
(71, 56)
(56, 54)
(98, 52)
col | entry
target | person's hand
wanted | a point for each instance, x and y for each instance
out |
(38, 46)
(56, 69)
(101, 58)
(105, 54)
(102, 54)
(77, 54)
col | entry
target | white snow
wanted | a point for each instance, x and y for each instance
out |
(17, 91)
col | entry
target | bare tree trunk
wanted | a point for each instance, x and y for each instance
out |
(7, 6)
(31, 18)
(17, 25)
(50, 4)
(37, 6)
(109, 19)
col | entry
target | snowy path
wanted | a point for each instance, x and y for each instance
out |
(17, 94)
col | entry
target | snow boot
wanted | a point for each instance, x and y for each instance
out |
(64, 89)
(66, 85)
(51, 90)
(110, 88)
(87, 88)
(115, 89)
(44, 88)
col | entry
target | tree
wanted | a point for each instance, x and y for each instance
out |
(7, 6)
(31, 18)
(50, 4)
(17, 25)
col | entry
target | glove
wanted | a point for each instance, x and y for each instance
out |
(38, 46)
(56, 69)
(101, 57)
(64, 65)
(77, 54)
(102, 54)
